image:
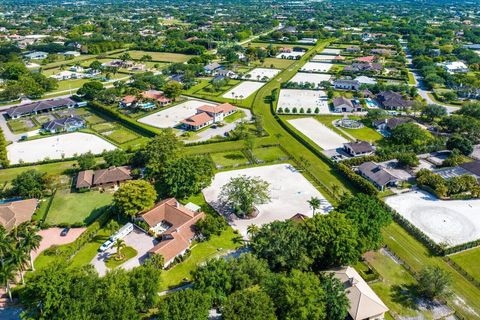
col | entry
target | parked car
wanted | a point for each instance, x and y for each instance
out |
(64, 232)
(106, 245)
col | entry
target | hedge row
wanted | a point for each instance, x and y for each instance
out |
(65, 252)
(3, 150)
(462, 271)
(362, 183)
(124, 120)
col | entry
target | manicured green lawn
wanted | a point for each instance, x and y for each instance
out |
(86, 254)
(417, 256)
(54, 169)
(120, 135)
(269, 154)
(469, 260)
(21, 125)
(101, 127)
(234, 117)
(277, 63)
(161, 56)
(200, 252)
(226, 159)
(93, 119)
(365, 133)
(77, 208)
(128, 253)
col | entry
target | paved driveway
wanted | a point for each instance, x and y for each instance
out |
(136, 239)
(51, 236)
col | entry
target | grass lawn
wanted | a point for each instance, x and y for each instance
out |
(75, 208)
(93, 119)
(227, 159)
(411, 79)
(277, 63)
(365, 133)
(71, 84)
(128, 253)
(234, 117)
(21, 125)
(57, 168)
(269, 154)
(394, 287)
(209, 90)
(417, 256)
(200, 252)
(101, 127)
(161, 56)
(469, 260)
(43, 118)
(120, 135)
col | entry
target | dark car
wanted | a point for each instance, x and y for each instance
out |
(64, 232)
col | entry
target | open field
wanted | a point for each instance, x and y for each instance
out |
(318, 133)
(120, 135)
(227, 159)
(469, 261)
(303, 99)
(315, 78)
(316, 67)
(160, 56)
(449, 222)
(262, 74)
(289, 192)
(77, 208)
(269, 154)
(56, 147)
(276, 63)
(244, 89)
(170, 117)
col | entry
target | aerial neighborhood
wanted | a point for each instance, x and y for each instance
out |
(239, 160)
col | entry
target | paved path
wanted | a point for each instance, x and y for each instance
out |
(51, 237)
(9, 135)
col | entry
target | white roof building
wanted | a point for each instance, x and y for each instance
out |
(364, 303)
(454, 66)
(365, 80)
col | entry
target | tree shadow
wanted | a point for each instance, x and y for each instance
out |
(95, 214)
(406, 295)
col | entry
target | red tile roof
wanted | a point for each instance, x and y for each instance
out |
(366, 59)
(14, 213)
(198, 119)
(221, 108)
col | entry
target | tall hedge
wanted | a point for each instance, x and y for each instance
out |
(3, 150)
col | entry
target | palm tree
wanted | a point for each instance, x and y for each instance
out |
(119, 245)
(5, 244)
(18, 258)
(252, 230)
(30, 241)
(336, 190)
(7, 272)
(314, 203)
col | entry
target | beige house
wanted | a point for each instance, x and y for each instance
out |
(364, 303)
(14, 213)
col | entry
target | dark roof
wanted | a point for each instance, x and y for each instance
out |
(347, 82)
(376, 173)
(39, 106)
(473, 167)
(14, 213)
(360, 146)
(84, 179)
(391, 99)
(212, 66)
(89, 178)
(338, 101)
(392, 123)
(63, 122)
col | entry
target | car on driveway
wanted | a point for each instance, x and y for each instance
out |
(64, 232)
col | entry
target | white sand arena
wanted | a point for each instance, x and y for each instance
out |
(295, 98)
(314, 78)
(170, 117)
(262, 74)
(66, 145)
(316, 67)
(289, 192)
(290, 55)
(321, 57)
(449, 222)
(331, 51)
(243, 90)
(318, 133)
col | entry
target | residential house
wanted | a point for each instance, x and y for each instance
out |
(390, 123)
(391, 100)
(307, 41)
(14, 213)
(177, 77)
(67, 124)
(364, 303)
(103, 178)
(174, 224)
(344, 84)
(71, 54)
(455, 67)
(358, 148)
(342, 104)
(382, 52)
(367, 59)
(357, 67)
(366, 80)
(377, 175)
(207, 115)
(353, 49)
(37, 55)
(133, 101)
(226, 73)
(43, 106)
(212, 67)
(473, 168)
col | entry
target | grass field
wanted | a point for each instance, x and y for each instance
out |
(465, 295)
(277, 63)
(200, 252)
(54, 169)
(269, 154)
(161, 56)
(227, 159)
(365, 133)
(93, 119)
(76, 208)
(469, 260)
(120, 135)
(234, 117)
(101, 127)
(21, 125)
